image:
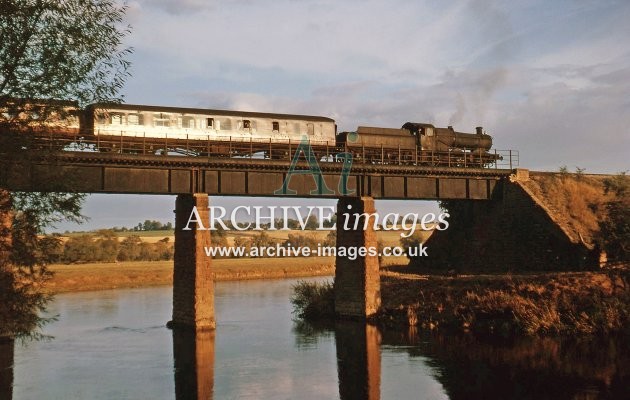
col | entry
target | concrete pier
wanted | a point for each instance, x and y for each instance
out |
(193, 285)
(357, 282)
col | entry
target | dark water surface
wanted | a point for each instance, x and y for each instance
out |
(114, 345)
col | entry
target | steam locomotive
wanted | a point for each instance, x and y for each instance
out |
(129, 128)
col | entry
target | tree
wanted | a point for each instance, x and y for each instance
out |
(51, 50)
(129, 249)
(79, 249)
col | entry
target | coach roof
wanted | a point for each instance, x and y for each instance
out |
(205, 111)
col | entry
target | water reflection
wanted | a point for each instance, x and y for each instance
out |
(257, 352)
(470, 367)
(523, 368)
(193, 354)
(6, 369)
(358, 361)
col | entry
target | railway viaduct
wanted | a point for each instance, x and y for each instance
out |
(196, 179)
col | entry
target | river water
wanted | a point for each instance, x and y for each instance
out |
(114, 345)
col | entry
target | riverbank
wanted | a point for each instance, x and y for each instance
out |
(103, 276)
(552, 303)
(525, 304)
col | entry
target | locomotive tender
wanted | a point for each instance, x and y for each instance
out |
(225, 133)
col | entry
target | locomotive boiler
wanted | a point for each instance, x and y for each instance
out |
(419, 143)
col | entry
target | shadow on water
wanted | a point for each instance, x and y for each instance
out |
(470, 367)
(525, 368)
(6, 368)
(193, 354)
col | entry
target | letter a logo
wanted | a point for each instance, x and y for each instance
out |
(313, 170)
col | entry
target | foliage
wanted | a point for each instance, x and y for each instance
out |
(300, 240)
(241, 241)
(21, 296)
(331, 239)
(546, 304)
(564, 170)
(614, 234)
(51, 50)
(579, 172)
(70, 50)
(410, 242)
(105, 247)
(24, 271)
(262, 240)
(313, 300)
(151, 225)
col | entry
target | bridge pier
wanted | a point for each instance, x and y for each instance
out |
(357, 282)
(193, 285)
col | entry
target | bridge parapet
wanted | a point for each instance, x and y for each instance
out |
(119, 173)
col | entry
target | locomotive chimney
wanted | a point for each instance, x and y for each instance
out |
(479, 130)
(450, 127)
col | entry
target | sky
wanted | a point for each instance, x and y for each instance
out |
(549, 79)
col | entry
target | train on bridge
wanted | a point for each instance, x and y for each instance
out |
(144, 129)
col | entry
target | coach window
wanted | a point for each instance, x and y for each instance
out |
(247, 124)
(161, 119)
(133, 119)
(429, 131)
(186, 122)
(116, 119)
(275, 126)
(210, 123)
(310, 129)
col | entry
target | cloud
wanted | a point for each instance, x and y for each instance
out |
(541, 82)
(180, 7)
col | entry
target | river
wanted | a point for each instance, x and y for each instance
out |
(114, 345)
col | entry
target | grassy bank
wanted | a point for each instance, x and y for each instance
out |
(532, 304)
(526, 304)
(81, 277)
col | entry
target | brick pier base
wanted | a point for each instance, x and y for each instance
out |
(193, 286)
(357, 282)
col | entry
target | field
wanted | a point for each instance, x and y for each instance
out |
(101, 276)
(389, 238)
(98, 276)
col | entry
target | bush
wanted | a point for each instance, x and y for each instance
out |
(297, 240)
(614, 234)
(313, 300)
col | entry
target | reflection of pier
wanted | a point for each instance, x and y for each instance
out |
(6, 368)
(358, 360)
(194, 364)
